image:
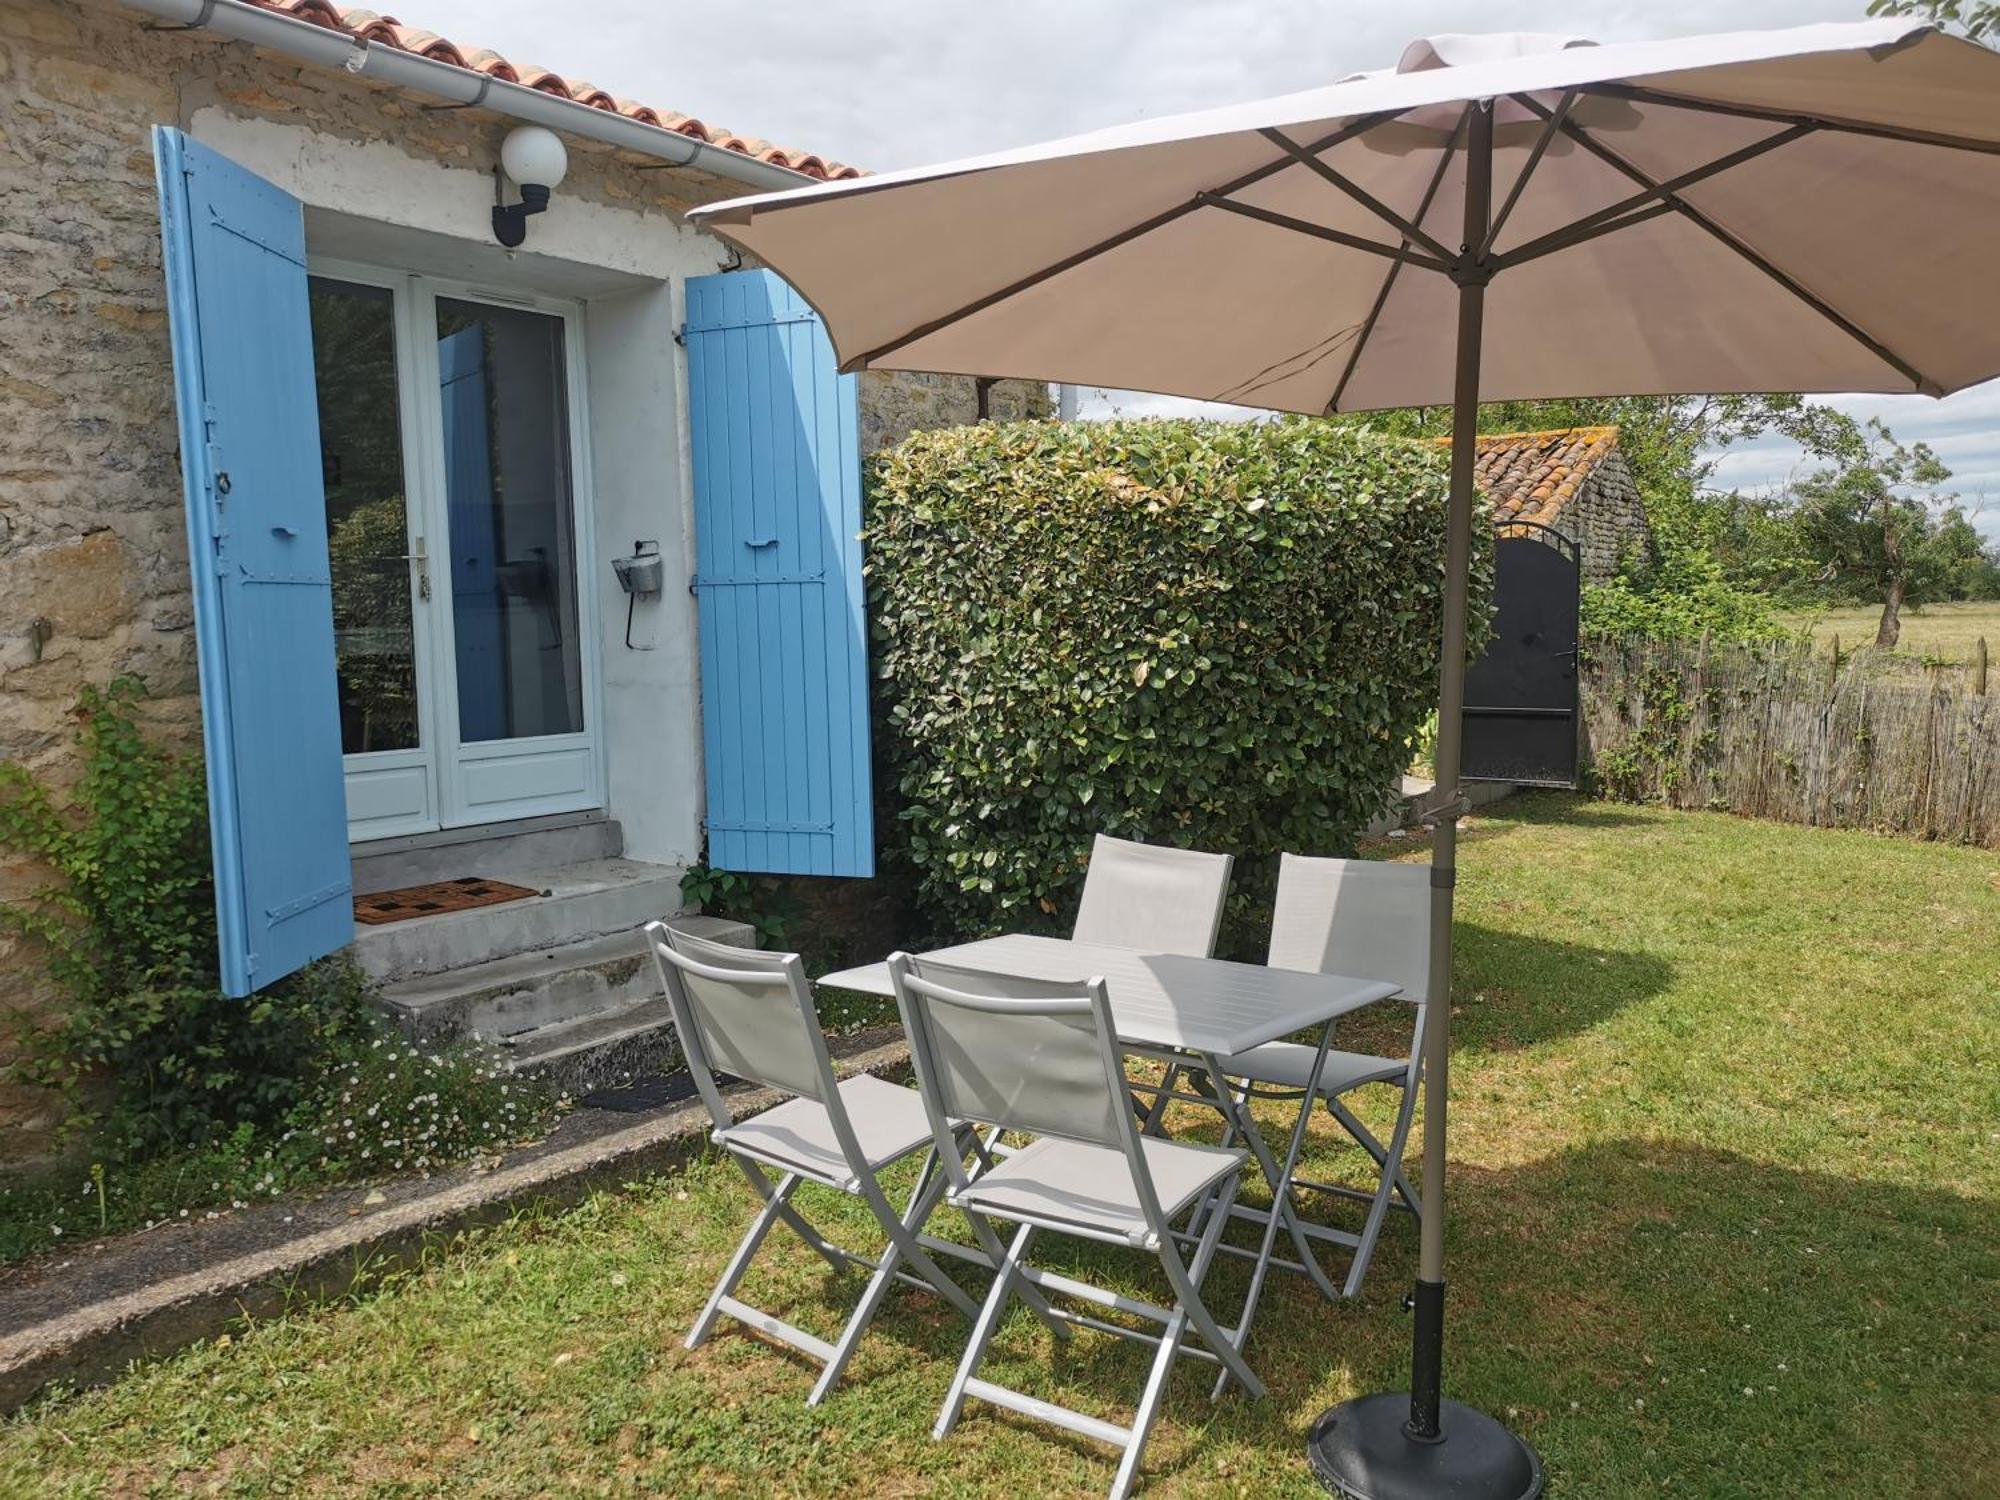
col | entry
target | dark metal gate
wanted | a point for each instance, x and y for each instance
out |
(1520, 697)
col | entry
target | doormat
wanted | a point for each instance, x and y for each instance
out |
(463, 894)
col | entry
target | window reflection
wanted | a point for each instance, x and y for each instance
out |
(361, 456)
(507, 485)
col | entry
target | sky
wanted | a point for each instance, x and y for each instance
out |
(897, 83)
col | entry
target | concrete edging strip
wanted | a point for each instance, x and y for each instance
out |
(99, 1339)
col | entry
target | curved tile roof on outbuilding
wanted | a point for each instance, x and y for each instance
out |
(390, 32)
(1531, 476)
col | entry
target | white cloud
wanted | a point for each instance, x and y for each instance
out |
(894, 83)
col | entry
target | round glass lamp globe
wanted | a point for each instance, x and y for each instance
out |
(533, 156)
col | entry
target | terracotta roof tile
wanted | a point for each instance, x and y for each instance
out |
(1531, 476)
(387, 31)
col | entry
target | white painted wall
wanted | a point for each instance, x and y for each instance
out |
(372, 201)
(652, 693)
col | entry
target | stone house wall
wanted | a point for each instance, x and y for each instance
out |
(93, 564)
(1606, 520)
(896, 403)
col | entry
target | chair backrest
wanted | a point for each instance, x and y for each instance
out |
(1020, 1054)
(1359, 917)
(743, 1012)
(1151, 898)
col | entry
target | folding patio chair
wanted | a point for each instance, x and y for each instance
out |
(751, 1015)
(1152, 898)
(1026, 1055)
(1370, 920)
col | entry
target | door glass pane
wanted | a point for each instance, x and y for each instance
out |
(507, 491)
(361, 455)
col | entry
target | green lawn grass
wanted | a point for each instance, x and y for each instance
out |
(1723, 1224)
(1946, 631)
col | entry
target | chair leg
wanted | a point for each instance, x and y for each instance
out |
(794, 1220)
(1152, 1121)
(902, 1232)
(746, 1250)
(989, 1242)
(1149, 1403)
(1171, 1341)
(982, 1331)
(1391, 1163)
(1376, 1149)
(902, 1244)
(1227, 1349)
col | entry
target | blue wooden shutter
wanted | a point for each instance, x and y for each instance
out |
(263, 594)
(784, 643)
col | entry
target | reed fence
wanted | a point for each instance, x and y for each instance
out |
(1863, 740)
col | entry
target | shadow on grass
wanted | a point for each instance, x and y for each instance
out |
(1512, 989)
(1653, 1312)
(1572, 809)
(1648, 1313)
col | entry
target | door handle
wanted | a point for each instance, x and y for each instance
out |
(423, 561)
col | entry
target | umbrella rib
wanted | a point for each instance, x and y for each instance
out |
(1159, 220)
(1389, 280)
(1399, 253)
(1731, 241)
(1588, 227)
(1309, 158)
(1549, 128)
(1569, 241)
(1637, 94)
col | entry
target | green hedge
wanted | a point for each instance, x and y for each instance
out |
(1217, 635)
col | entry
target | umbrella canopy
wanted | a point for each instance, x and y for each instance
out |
(1496, 218)
(1773, 210)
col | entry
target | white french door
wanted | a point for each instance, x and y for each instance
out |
(451, 422)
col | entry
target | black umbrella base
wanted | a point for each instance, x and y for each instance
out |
(1359, 1449)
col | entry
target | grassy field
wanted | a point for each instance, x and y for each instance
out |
(1940, 630)
(1724, 1224)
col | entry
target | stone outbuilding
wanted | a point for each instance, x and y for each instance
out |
(1572, 480)
(258, 302)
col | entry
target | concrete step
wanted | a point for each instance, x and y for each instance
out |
(581, 1016)
(595, 898)
(507, 997)
(602, 1050)
(496, 851)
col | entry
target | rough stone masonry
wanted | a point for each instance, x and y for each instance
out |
(93, 564)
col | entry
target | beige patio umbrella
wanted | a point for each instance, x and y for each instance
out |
(1497, 217)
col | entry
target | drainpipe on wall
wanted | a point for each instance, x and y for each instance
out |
(391, 65)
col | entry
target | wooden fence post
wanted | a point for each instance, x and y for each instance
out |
(1979, 667)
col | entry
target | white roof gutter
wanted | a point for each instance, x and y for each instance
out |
(391, 65)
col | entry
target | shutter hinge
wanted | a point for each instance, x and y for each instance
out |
(681, 335)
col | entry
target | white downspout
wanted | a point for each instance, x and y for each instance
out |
(391, 65)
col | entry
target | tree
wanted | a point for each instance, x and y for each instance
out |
(1971, 562)
(1877, 522)
(1977, 19)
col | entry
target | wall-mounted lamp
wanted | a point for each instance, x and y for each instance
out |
(535, 159)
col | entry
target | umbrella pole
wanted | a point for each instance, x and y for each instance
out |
(1381, 1447)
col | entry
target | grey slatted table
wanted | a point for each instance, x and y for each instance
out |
(1194, 1010)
